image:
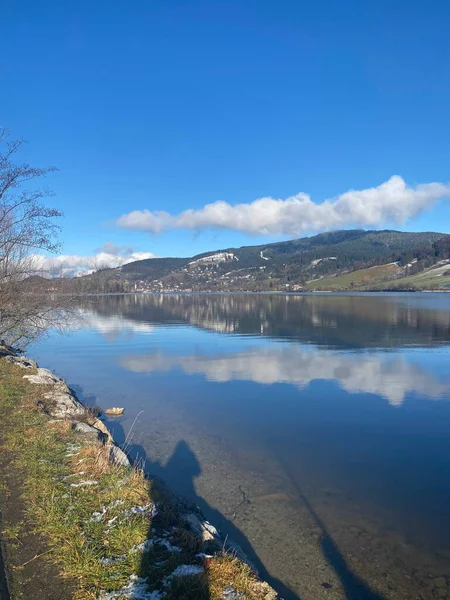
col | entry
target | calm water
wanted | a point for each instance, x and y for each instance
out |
(313, 430)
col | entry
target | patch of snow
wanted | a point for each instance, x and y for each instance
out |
(183, 571)
(149, 509)
(262, 255)
(217, 258)
(112, 560)
(317, 261)
(186, 570)
(135, 589)
(82, 483)
(167, 545)
(142, 547)
(149, 544)
(98, 516)
(146, 509)
(73, 447)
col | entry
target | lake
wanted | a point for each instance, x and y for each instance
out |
(313, 430)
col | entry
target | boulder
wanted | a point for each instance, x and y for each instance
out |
(89, 433)
(43, 377)
(22, 361)
(118, 456)
(202, 528)
(62, 403)
(263, 590)
(100, 425)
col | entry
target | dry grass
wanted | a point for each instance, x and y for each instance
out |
(91, 414)
(93, 460)
(60, 427)
(226, 568)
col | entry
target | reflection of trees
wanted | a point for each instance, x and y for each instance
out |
(336, 321)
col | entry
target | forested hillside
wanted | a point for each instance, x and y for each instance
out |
(305, 263)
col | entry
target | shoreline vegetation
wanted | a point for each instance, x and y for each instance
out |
(80, 521)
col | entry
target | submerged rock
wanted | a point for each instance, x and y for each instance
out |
(115, 411)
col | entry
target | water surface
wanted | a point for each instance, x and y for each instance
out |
(314, 430)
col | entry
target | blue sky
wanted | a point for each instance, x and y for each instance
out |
(174, 105)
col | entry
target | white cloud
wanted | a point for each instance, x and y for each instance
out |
(387, 376)
(72, 265)
(391, 202)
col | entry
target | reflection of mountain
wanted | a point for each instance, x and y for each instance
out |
(384, 375)
(335, 321)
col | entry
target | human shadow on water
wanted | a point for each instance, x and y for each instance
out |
(353, 586)
(179, 475)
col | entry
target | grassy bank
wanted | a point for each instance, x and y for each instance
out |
(111, 532)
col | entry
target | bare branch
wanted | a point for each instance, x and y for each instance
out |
(26, 224)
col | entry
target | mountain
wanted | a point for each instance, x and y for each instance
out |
(307, 263)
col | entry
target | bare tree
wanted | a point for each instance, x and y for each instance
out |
(26, 226)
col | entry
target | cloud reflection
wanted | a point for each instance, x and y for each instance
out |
(389, 376)
(111, 327)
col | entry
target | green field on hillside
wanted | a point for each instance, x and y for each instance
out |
(383, 277)
(357, 279)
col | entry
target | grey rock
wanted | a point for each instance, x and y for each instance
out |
(61, 402)
(22, 361)
(100, 425)
(263, 590)
(202, 528)
(43, 377)
(89, 433)
(230, 593)
(118, 456)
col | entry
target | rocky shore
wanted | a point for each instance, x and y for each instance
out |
(109, 527)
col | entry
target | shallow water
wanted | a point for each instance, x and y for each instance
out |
(314, 430)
